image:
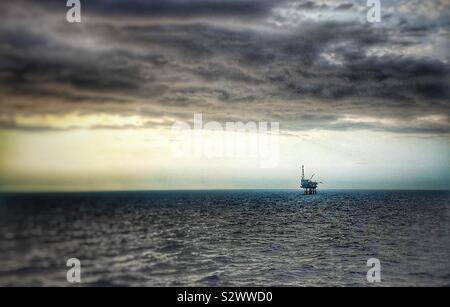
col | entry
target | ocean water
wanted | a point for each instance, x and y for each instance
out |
(226, 238)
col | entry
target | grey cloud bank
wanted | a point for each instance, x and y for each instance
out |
(308, 65)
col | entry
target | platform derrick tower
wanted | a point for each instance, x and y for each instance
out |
(308, 185)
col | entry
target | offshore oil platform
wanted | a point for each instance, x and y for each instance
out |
(308, 185)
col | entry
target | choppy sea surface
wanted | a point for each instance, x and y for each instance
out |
(226, 238)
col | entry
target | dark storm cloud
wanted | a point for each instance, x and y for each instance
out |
(256, 63)
(183, 8)
(344, 6)
(176, 8)
(311, 5)
(320, 6)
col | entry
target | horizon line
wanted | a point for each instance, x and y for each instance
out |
(207, 190)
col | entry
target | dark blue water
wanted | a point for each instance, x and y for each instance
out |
(226, 238)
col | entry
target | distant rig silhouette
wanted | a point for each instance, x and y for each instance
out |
(308, 185)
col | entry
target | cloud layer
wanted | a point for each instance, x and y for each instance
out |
(308, 65)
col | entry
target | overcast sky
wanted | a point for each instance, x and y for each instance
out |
(88, 105)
